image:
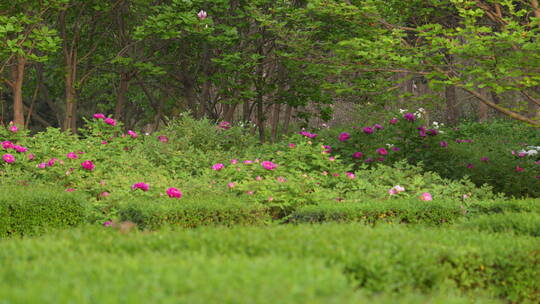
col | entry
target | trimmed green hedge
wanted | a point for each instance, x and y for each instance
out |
(153, 214)
(401, 211)
(31, 210)
(385, 259)
(518, 223)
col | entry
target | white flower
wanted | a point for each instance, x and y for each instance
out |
(401, 111)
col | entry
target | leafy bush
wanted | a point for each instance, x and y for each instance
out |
(517, 223)
(152, 214)
(25, 210)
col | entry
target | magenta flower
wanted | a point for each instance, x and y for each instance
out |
(105, 194)
(42, 165)
(392, 191)
(470, 166)
(281, 179)
(331, 158)
(368, 130)
(393, 121)
(141, 185)
(110, 121)
(20, 149)
(99, 116)
(369, 160)
(258, 178)
(357, 155)
(350, 175)
(202, 15)
(519, 169)
(484, 159)
(234, 161)
(522, 154)
(70, 189)
(396, 149)
(7, 145)
(51, 162)
(426, 197)
(104, 142)
(268, 165)
(225, 125)
(308, 135)
(409, 116)
(133, 134)
(344, 136)
(72, 155)
(378, 126)
(382, 151)
(107, 224)
(218, 167)
(88, 165)
(30, 156)
(432, 132)
(443, 144)
(8, 158)
(291, 145)
(14, 129)
(163, 138)
(174, 193)
(230, 185)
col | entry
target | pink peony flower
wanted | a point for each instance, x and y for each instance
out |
(110, 121)
(368, 130)
(7, 145)
(174, 193)
(163, 138)
(292, 145)
(268, 165)
(249, 192)
(51, 162)
(88, 165)
(393, 121)
(104, 194)
(382, 151)
(357, 155)
(392, 191)
(202, 15)
(107, 224)
(350, 175)
(443, 144)
(14, 129)
(377, 126)
(426, 197)
(104, 142)
(141, 185)
(432, 132)
(70, 189)
(409, 116)
(281, 179)
(133, 134)
(230, 185)
(20, 149)
(99, 116)
(519, 169)
(72, 155)
(522, 154)
(8, 158)
(484, 159)
(470, 166)
(31, 156)
(247, 162)
(258, 178)
(225, 125)
(399, 188)
(234, 161)
(42, 165)
(218, 167)
(344, 136)
(331, 158)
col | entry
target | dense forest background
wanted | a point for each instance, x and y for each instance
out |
(267, 64)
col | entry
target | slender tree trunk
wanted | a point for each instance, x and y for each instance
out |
(229, 114)
(71, 96)
(17, 74)
(275, 122)
(121, 95)
(288, 115)
(452, 109)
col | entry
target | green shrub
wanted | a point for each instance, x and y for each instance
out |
(384, 259)
(29, 210)
(152, 214)
(400, 211)
(517, 223)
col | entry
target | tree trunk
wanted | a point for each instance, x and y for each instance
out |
(121, 96)
(275, 122)
(71, 97)
(288, 115)
(452, 109)
(17, 74)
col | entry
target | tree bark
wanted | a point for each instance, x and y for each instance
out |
(17, 74)
(275, 122)
(121, 95)
(452, 109)
(288, 115)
